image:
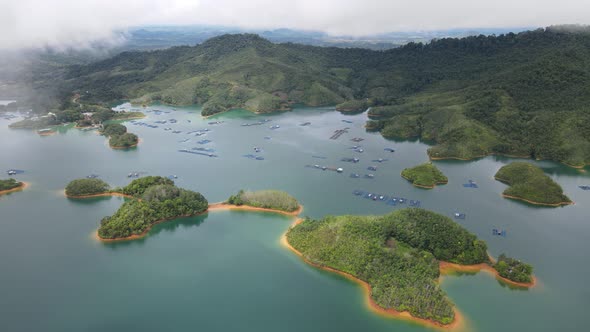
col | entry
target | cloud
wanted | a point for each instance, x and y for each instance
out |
(78, 23)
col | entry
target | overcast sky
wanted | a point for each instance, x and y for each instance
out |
(31, 23)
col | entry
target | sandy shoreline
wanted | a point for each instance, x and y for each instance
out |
(537, 203)
(224, 206)
(449, 268)
(212, 208)
(23, 186)
(458, 322)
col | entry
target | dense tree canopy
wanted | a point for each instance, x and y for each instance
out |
(268, 199)
(530, 183)
(83, 187)
(425, 175)
(9, 184)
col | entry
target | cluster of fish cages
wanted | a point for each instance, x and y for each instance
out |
(389, 200)
(205, 141)
(326, 168)
(215, 123)
(470, 184)
(144, 124)
(366, 176)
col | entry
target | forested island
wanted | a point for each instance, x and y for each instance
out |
(425, 176)
(522, 94)
(530, 184)
(152, 199)
(118, 136)
(10, 185)
(266, 199)
(397, 255)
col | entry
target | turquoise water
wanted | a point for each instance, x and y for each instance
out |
(226, 271)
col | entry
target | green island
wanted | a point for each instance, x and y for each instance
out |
(514, 269)
(153, 199)
(119, 138)
(265, 199)
(9, 185)
(398, 255)
(530, 184)
(353, 106)
(426, 176)
(86, 187)
(470, 97)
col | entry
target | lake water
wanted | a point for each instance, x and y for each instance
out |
(226, 271)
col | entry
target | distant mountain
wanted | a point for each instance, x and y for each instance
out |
(518, 94)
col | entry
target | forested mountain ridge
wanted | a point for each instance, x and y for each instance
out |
(518, 94)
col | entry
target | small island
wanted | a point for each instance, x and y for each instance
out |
(425, 176)
(119, 138)
(397, 257)
(530, 184)
(266, 199)
(514, 270)
(10, 185)
(154, 199)
(82, 188)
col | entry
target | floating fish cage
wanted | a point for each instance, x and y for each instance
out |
(319, 157)
(251, 156)
(215, 123)
(305, 124)
(267, 137)
(355, 175)
(357, 139)
(369, 176)
(470, 184)
(389, 150)
(498, 232)
(346, 121)
(380, 160)
(14, 171)
(372, 168)
(92, 176)
(584, 187)
(208, 154)
(350, 160)
(205, 141)
(204, 149)
(459, 215)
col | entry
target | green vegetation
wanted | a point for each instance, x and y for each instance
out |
(9, 184)
(85, 187)
(118, 136)
(513, 269)
(126, 140)
(155, 199)
(516, 94)
(353, 106)
(397, 254)
(425, 175)
(528, 182)
(268, 199)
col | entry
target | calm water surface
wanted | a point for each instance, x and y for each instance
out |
(226, 271)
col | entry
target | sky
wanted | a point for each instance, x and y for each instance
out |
(78, 23)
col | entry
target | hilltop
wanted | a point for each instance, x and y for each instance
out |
(520, 94)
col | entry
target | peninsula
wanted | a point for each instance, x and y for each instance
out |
(398, 257)
(530, 184)
(426, 176)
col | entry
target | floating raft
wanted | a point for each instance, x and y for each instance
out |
(584, 187)
(208, 154)
(350, 160)
(357, 139)
(339, 132)
(372, 168)
(459, 215)
(498, 232)
(205, 141)
(274, 127)
(92, 176)
(380, 160)
(389, 150)
(319, 157)
(355, 175)
(14, 171)
(267, 137)
(305, 124)
(393, 201)
(369, 176)
(251, 156)
(470, 184)
(215, 123)
(204, 149)
(347, 121)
